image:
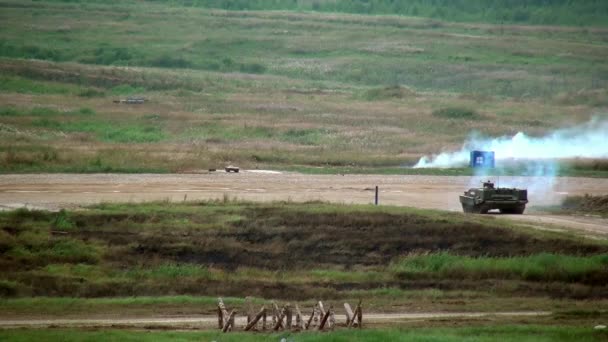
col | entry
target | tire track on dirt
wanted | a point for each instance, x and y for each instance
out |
(210, 322)
(56, 191)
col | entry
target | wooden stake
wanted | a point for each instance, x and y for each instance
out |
(255, 320)
(275, 313)
(357, 315)
(324, 320)
(249, 304)
(230, 322)
(220, 318)
(360, 316)
(321, 309)
(222, 312)
(279, 323)
(349, 313)
(299, 319)
(288, 316)
(311, 318)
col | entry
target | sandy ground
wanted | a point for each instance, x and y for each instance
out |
(210, 322)
(56, 191)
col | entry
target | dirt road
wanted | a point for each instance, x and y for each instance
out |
(210, 322)
(55, 191)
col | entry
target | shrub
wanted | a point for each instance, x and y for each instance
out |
(62, 222)
(456, 113)
(392, 92)
(86, 111)
(166, 61)
(8, 288)
(9, 111)
(252, 68)
(91, 92)
(126, 89)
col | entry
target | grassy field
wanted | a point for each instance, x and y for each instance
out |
(470, 334)
(177, 258)
(277, 89)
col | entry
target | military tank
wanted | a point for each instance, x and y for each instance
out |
(482, 200)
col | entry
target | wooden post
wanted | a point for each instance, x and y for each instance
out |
(349, 313)
(299, 319)
(264, 321)
(311, 318)
(220, 318)
(352, 320)
(275, 313)
(222, 312)
(255, 319)
(331, 323)
(288, 316)
(279, 323)
(230, 322)
(360, 315)
(249, 305)
(321, 309)
(324, 320)
(376, 197)
(357, 316)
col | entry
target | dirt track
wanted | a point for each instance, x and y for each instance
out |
(55, 191)
(210, 322)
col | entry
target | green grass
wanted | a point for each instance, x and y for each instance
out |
(540, 267)
(456, 113)
(226, 247)
(45, 112)
(22, 85)
(530, 12)
(106, 131)
(519, 333)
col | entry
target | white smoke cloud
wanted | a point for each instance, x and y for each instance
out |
(589, 140)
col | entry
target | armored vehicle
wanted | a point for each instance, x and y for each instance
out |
(481, 200)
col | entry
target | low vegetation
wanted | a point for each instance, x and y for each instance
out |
(276, 89)
(466, 334)
(538, 267)
(456, 113)
(286, 251)
(588, 204)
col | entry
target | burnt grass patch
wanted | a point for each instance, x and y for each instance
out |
(94, 253)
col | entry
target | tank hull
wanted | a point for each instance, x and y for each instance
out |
(470, 205)
(482, 200)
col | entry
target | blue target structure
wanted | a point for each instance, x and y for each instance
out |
(482, 159)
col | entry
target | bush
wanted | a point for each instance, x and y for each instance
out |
(9, 111)
(90, 92)
(392, 92)
(8, 288)
(62, 222)
(166, 61)
(456, 113)
(85, 111)
(252, 68)
(126, 89)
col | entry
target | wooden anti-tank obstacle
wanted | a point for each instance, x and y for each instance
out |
(283, 318)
